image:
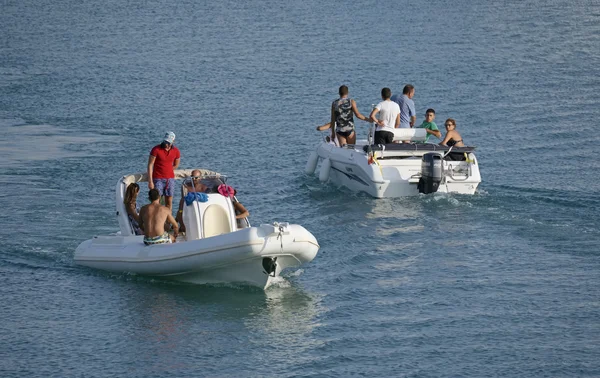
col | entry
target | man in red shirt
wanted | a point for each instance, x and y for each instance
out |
(162, 163)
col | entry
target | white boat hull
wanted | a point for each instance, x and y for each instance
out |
(233, 257)
(394, 174)
(215, 249)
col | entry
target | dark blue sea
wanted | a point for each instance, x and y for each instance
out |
(505, 283)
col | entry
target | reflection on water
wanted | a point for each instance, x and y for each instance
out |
(395, 216)
(287, 309)
(286, 324)
(396, 208)
(21, 143)
(174, 322)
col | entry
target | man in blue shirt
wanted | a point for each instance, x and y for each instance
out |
(408, 115)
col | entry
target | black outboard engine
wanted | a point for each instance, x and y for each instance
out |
(269, 265)
(431, 173)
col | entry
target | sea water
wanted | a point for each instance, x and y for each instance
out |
(502, 283)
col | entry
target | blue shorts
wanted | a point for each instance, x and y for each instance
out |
(165, 187)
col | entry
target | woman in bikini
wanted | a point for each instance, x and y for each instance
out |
(452, 138)
(343, 111)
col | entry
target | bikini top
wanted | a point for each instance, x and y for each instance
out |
(452, 142)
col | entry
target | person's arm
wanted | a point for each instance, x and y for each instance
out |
(150, 170)
(434, 132)
(141, 222)
(243, 213)
(324, 127)
(357, 113)
(179, 216)
(176, 164)
(373, 115)
(412, 112)
(332, 122)
(171, 220)
(446, 139)
(397, 121)
(413, 120)
(131, 211)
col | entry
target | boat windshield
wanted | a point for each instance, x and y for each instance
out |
(211, 183)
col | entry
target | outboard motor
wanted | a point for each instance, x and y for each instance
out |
(269, 265)
(431, 173)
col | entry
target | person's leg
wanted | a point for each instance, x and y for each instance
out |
(159, 184)
(341, 139)
(169, 202)
(389, 137)
(352, 138)
(169, 193)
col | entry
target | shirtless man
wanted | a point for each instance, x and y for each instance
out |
(152, 220)
(194, 187)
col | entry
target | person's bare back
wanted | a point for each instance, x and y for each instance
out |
(154, 216)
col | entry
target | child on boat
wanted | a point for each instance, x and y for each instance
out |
(429, 125)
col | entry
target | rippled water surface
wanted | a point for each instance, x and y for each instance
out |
(502, 283)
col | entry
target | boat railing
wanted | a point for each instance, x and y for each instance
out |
(458, 170)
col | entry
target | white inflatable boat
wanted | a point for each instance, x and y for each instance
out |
(214, 249)
(398, 169)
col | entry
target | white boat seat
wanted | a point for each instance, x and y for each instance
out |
(210, 218)
(410, 135)
(215, 221)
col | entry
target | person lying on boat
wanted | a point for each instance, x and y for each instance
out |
(153, 218)
(132, 208)
(452, 137)
(192, 186)
(429, 125)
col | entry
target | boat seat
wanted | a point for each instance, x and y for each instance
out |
(215, 221)
(211, 218)
(410, 135)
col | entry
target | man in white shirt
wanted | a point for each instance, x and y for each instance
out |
(388, 120)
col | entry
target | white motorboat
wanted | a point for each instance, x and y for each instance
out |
(214, 249)
(398, 169)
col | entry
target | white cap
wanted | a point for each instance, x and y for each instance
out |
(169, 137)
